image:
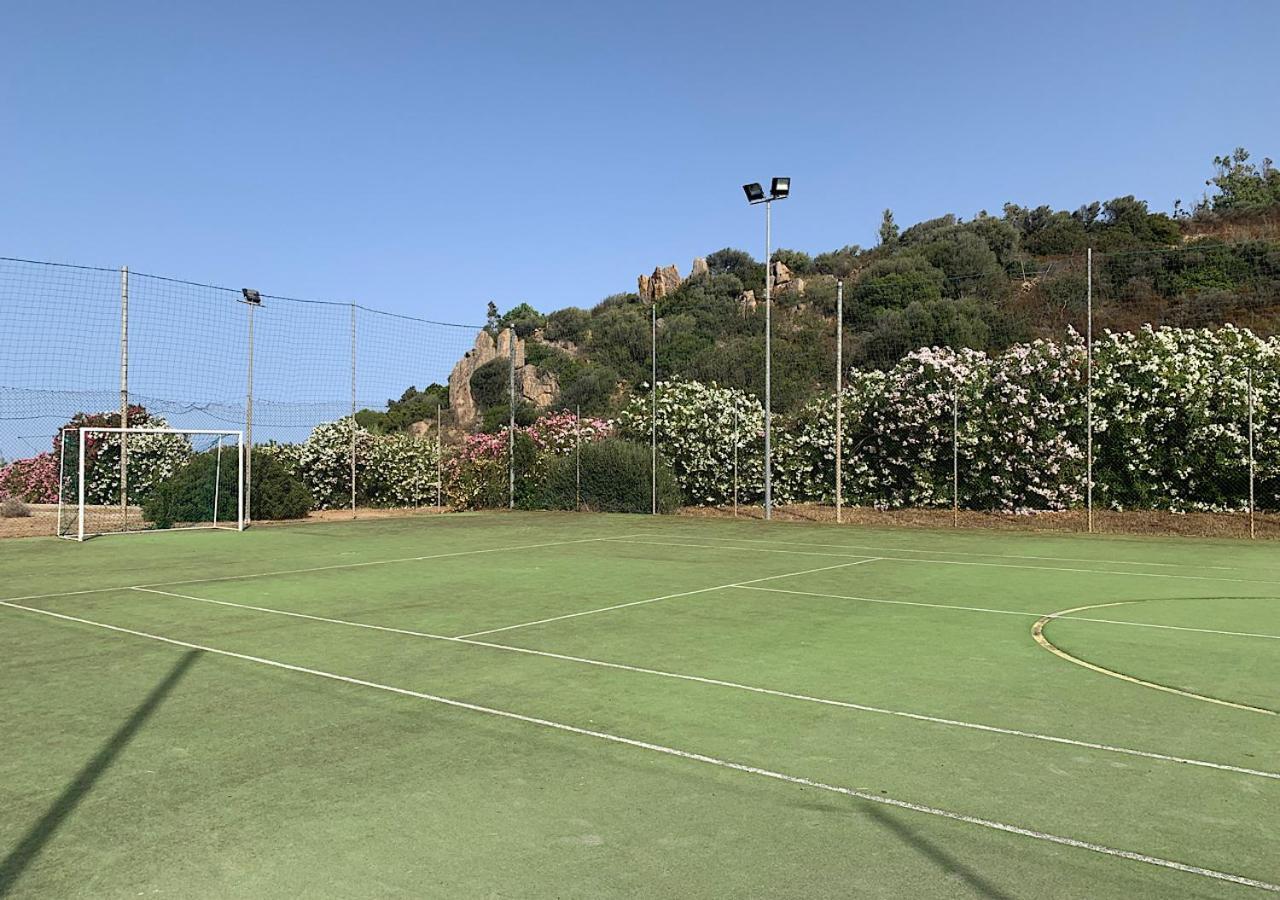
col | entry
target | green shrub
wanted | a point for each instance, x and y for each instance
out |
(615, 478)
(188, 496)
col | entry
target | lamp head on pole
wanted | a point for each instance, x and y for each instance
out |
(780, 188)
(251, 296)
(754, 192)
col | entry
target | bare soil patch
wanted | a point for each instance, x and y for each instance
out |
(1152, 522)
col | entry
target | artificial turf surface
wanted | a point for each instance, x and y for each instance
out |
(131, 766)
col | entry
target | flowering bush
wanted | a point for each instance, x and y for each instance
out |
(33, 480)
(1170, 428)
(153, 458)
(476, 474)
(391, 470)
(699, 426)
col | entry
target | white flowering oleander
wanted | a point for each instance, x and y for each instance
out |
(391, 470)
(1170, 428)
(153, 458)
(697, 428)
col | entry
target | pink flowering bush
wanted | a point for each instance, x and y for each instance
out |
(33, 480)
(476, 474)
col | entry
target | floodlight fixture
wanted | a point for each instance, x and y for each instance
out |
(251, 296)
(780, 188)
(754, 192)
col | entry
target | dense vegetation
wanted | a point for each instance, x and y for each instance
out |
(985, 283)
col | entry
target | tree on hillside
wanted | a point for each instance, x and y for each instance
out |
(888, 229)
(1242, 186)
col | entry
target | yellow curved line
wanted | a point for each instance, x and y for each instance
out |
(1037, 632)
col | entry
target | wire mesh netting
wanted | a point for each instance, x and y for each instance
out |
(1073, 393)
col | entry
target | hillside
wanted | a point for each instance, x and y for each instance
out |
(984, 283)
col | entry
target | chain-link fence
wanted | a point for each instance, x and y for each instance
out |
(1084, 400)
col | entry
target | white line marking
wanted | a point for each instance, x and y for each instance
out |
(949, 562)
(865, 796)
(1118, 562)
(718, 587)
(354, 565)
(1018, 612)
(787, 695)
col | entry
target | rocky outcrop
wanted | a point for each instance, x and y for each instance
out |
(785, 281)
(537, 387)
(662, 282)
(699, 267)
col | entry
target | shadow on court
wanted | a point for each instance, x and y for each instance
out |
(34, 841)
(935, 854)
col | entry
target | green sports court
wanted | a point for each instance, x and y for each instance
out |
(577, 705)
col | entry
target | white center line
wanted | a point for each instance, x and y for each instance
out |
(705, 590)
(865, 796)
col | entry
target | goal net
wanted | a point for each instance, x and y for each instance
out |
(121, 480)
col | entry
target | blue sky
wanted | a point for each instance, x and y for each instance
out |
(427, 157)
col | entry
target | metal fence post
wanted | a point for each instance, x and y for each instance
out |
(439, 462)
(653, 415)
(1088, 394)
(124, 396)
(1252, 527)
(353, 410)
(511, 422)
(736, 414)
(955, 454)
(839, 399)
(248, 426)
(577, 458)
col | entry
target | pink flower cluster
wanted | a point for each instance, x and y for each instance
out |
(555, 432)
(33, 480)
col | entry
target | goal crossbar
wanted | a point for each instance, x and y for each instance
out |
(81, 532)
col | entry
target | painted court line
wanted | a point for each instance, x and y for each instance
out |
(1017, 612)
(787, 695)
(327, 568)
(865, 796)
(718, 587)
(1117, 562)
(951, 562)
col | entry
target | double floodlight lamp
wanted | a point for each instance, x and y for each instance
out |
(250, 296)
(779, 189)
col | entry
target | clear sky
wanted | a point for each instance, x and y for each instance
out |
(425, 157)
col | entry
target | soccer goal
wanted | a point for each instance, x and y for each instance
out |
(128, 480)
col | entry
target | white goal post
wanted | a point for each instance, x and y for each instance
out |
(96, 498)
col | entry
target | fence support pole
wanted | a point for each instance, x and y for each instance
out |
(124, 396)
(511, 422)
(1252, 528)
(1088, 394)
(248, 428)
(839, 399)
(736, 414)
(439, 462)
(955, 455)
(353, 410)
(577, 458)
(653, 402)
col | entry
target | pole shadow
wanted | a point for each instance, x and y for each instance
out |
(43, 831)
(935, 854)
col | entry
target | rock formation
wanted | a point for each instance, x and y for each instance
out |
(535, 386)
(699, 267)
(662, 282)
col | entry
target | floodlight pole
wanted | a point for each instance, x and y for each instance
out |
(768, 359)
(779, 189)
(353, 410)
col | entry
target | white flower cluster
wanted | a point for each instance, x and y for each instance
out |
(1170, 428)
